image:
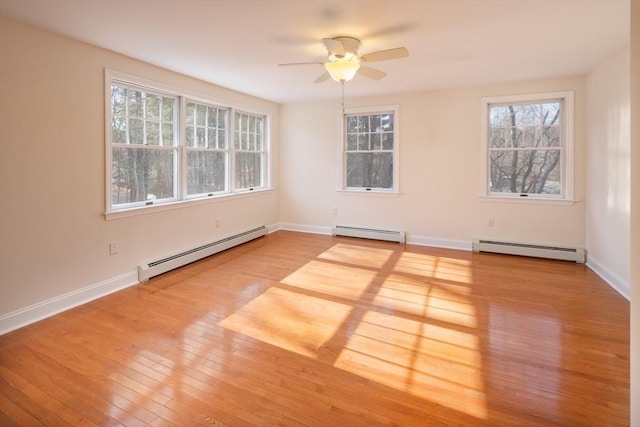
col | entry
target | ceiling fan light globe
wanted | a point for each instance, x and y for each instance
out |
(342, 71)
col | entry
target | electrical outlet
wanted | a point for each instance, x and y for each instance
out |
(334, 211)
(491, 222)
(217, 222)
(114, 247)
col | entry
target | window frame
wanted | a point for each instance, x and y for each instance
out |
(566, 146)
(182, 198)
(342, 152)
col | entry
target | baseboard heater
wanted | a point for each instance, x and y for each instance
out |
(369, 233)
(524, 249)
(153, 268)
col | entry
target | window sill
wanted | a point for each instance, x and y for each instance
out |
(145, 210)
(374, 193)
(528, 200)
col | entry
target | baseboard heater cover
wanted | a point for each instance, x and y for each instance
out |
(154, 268)
(524, 249)
(369, 233)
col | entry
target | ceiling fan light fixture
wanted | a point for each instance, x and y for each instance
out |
(342, 70)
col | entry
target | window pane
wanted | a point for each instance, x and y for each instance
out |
(387, 141)
(142, 174)
(363, 142)
(153, 133)
(352, 142)
(387, 122)
(497, 137)
(248, 170)
(376, 141)
(525, 171)
(135, 103)
(376, 123)
(167, 134)
(370, 170)
(190, 137)
(352, 124)
(136, 131)
(201, 113)
(152, 107)
(119, 130)
(222, 119)
(551, 136)
(118, 100)
(168, 109)
(212, 117)
(200, 137)
(222, 140)
(191, 113)
(206, 172)
(211, 138)
(363, 124)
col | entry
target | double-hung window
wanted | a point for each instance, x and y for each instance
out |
(207, 149)
(163, 147)
(249, 150)
(528, 146)
(370, 149)
(144, 146)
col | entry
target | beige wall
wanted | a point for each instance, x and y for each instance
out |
(55, 239)
(608, 170)
(440, 154)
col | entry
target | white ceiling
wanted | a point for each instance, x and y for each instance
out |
(238, 44)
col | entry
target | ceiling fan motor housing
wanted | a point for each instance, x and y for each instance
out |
(350, 46)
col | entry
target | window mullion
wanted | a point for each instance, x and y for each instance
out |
(182, 150)
(231, 141)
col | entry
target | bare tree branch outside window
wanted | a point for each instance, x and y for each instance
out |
(525, 148)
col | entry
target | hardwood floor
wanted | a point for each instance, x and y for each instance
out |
(298, 329)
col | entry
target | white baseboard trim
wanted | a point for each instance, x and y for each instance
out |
(304, 228)
(464, 245)
(613, 279)
(25, 316)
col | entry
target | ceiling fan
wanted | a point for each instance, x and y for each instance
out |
(344, 62)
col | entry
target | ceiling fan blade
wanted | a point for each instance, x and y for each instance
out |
(371, 73)
(384, 55)
(301, 63)
(335, 47)
(322, 78)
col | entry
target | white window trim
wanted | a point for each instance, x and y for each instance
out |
(396, 150)
(567, 168)
(183, 96)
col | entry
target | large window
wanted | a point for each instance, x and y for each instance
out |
(370, 146)
(164, 147)
(528, 146)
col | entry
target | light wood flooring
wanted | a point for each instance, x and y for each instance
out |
(299, 329)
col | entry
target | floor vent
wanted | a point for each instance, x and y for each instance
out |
(153, 268)
(524, 249)
(369, 233)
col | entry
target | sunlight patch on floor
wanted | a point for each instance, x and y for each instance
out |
(332, 279)
(434, 266)
(405, 323)
(426, 300)
(357, 255)
(432, 362)
(289, 320)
